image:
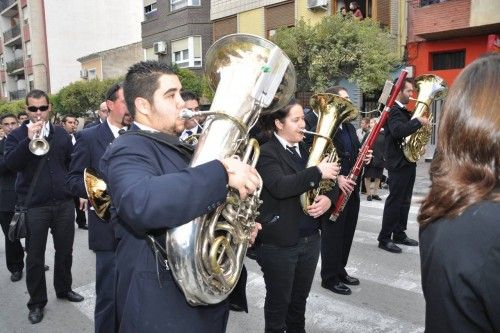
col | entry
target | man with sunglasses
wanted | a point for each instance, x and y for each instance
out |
(50, 205)
(90, 145)
(14, 253)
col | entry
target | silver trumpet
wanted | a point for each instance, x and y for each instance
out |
(38, 145)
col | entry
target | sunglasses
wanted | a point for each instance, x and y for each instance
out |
(36, 108)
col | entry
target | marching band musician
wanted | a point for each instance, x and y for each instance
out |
(50, 207)
(402, 173)
(151, 187)
(90, 145)
(289, 244)
(192, 126)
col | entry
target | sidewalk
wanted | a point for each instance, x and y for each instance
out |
(422, 180)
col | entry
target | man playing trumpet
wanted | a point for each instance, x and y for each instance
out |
(50, 205)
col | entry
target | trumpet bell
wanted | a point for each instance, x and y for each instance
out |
(97, 193)
(39, 147)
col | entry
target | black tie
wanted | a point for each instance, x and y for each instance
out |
(295, 156)
(189, 132)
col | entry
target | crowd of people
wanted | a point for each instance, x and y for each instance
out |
(142, 148)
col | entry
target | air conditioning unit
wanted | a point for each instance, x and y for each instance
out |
(160, 48)
(317, 4)
(84, 73)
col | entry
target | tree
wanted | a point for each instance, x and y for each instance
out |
(80, 97)
(339, 48)
(192, 82)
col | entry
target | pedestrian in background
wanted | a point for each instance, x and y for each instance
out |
(374, 170)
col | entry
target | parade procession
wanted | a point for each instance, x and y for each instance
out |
(254, 182)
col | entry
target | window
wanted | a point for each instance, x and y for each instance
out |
(25, 15)
(448, 60)
(91, 74)
(187, 52)
(150, 8)
(429, 2)
(178, 4)
(27, 46)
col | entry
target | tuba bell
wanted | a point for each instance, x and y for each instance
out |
(252, 76)
(429, 88)
(332, 111)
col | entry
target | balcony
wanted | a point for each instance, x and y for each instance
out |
(15, 65)
(150, 15)
(17, 94)
(8, 8)
(11, 34)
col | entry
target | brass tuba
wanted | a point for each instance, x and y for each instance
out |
(252, 75)
(332, 111)
(429, 88)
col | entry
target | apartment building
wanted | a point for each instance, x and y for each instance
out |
(446, 36)
(24, 63)
(110, 64)
(41, 40)
(177, 31)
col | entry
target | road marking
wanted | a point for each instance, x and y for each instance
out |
(329, 314)
(88, 304)
(380, 205)
(370, 238)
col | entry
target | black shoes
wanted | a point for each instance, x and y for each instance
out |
(16, 276)
(84, 227)
(71, 296)
(389, 246)
(369, 198)
(349, 280)
(45, 267)
(36, 315)
(338, 288)
(406, 241)
(376, 197)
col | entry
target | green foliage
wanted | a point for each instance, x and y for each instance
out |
(193, 82)
(337, 49)
(12, 107)
(80, 97)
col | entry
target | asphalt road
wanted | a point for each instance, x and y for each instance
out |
(389, 298)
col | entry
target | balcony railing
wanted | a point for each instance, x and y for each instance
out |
(5, 4)
(12, 33)
(17, 94)
(15, 64)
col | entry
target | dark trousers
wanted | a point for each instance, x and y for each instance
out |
(336, 241)
(59, 219)
(14, 253)
(288, 274)
(104, 312)
(397, 204)
(80, 214)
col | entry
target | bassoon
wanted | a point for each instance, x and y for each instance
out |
(387, 101)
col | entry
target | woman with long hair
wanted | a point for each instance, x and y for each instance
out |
(289, 243)
(460, 217)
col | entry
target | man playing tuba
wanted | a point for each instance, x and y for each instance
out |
(152, 190)
(401, 173)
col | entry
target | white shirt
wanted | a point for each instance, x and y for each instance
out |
(287, 144)
(47, 128)
(73, 140)
(115, 129)
(145, 127)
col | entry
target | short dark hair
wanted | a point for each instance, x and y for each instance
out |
(189, 96)
(269, 124)
(142, 80)
(22, 113)
(111, 94)
(68, 116)
(334, 90)
(36, 93)
(7, 115)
